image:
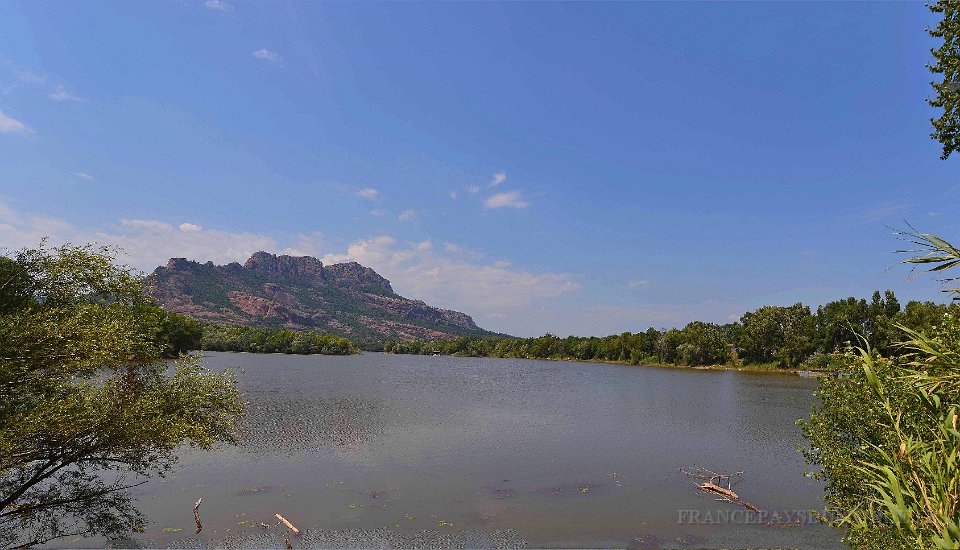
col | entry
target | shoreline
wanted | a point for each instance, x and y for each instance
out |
(744, 369)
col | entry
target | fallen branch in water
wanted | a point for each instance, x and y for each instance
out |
(196, 515)
(288, 524)
(709, 487)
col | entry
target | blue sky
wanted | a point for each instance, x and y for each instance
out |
(574, 168)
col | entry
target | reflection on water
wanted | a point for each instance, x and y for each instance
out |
(292, 424)
(404, 451)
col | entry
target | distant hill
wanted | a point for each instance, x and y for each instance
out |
(301, 293)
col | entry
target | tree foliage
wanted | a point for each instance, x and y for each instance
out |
(789, 337)
(886, 437)
(88, 406)
(946, 64)
(272, 340)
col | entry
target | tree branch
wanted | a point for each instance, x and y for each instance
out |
(61, 502)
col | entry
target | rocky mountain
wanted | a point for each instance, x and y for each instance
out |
(346, 299)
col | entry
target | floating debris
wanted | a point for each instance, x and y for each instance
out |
(711, 488)
(288, 524)
(196, 515)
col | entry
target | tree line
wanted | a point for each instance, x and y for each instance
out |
(791, 337)
(272, 340)
(176, 334)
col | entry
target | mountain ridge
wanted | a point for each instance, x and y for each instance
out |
(299, 292)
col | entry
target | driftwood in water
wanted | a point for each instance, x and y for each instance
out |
(196, 515)
(711, 488)
(708, 486)
(288, 524)
(727, 495)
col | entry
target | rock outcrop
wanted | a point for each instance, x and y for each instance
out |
(346, 299)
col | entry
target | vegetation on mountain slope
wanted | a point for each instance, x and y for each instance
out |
(302, 294)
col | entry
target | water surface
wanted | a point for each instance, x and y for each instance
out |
(381, 450)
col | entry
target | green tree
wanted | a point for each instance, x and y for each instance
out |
(703, 344)
(774, 333)
(176, 333)
(88, 408)
(946, 127)
(881, 315)
(886, 437)
(920, 316)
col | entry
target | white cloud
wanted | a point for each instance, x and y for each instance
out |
(147, 225)
(368, 193)
(61, 94)
(510, 199)
(14, 77)
(437, 275)
(473, 189)
(933, 213)
(418, 270)
(878, 213)
(310, 244)
(379, 212)
(146, 243)
(218, 5)
(498, 178)
(18, 230)
(83, 176)
(502, 263)
(453, 248)
(10, 125)
(22, 75)
(407, 215)
(453, 195)
(638, 283)
(267, 55)
(151, 244)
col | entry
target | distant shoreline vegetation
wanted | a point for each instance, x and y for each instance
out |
(181, 333)
(771, 337)
(786, 338)
(271, 340)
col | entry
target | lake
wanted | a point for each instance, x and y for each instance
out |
(377, 450)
